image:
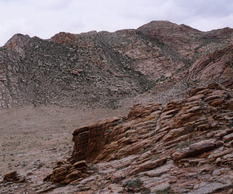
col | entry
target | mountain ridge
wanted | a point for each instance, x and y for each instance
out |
(99, 68)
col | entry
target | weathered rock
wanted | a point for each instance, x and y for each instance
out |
(59, 174)
(158, 171)
(153, 155)
(174, 133)
(195, 149)
(81, 165)
(13, 177)
(65, 173)
(139, 111)
(228, 137)
(148, 165)
(211, 188)
(210, 67)
(72, 176)
(89, 140)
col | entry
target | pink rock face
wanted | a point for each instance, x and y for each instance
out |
(63, 37)
(17, 42)
(215, 66)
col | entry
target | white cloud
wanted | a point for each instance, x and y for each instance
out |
(50, 4)
(211, 23)
(44, 18)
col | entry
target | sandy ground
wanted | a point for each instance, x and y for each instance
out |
(33, 139)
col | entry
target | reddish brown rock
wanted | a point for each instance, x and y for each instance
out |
(65, 173)
(63, 37)
(228, 105)
(194, 149)
(73, 176)
(215, 66)
(17, 42)
(89, 140)
(194, 91)
(59, 174)
(13, 177)
(81, 165)
(148, 165)
(174, 133)
(139, 111)
(180, 147)
(228, 138)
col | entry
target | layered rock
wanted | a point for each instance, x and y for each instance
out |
(65, 173)
(216, 66)
(13, 177)
(182, 147)
(89, 140)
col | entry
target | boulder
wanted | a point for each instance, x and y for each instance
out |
(13, 177)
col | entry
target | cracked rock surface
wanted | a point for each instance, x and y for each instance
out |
(153, 149)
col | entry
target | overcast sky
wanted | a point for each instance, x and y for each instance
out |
(45, 18)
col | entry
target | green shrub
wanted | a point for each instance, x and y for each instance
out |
(136, 183)
(168, 190)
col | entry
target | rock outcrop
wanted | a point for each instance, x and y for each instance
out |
(213, 67)
(65, 173)
(185, 146)
(13, 177)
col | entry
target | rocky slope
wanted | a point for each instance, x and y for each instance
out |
(184, 146)
(99, 69)
(177, 138)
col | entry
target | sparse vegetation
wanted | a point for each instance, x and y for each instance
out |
(183, 144)
(136, 183)
(168, 190)
(93, 167)
(148, 191)
(201, 104)
(40, 165)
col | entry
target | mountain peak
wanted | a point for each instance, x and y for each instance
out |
(17, 42)
(64, 37)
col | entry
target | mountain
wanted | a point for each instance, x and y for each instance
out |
(176, 138)
(101, 69)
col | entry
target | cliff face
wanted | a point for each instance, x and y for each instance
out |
(99, 69)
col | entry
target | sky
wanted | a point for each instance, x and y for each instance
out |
(45, 18)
